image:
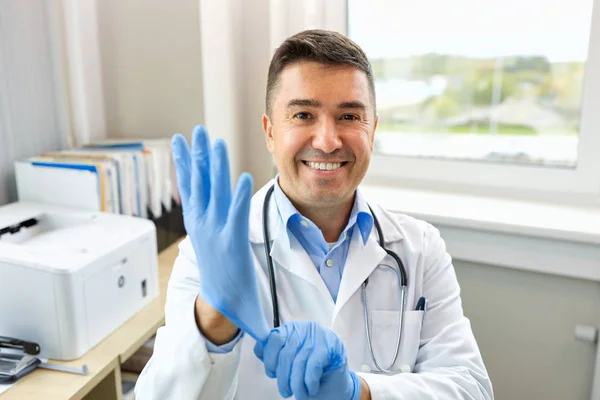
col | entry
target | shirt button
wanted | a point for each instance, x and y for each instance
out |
(329, 263)
(304, 223)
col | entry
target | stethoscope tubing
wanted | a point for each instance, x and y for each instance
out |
(400, 272)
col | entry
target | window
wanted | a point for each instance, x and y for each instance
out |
(496, 94)
(502, 82)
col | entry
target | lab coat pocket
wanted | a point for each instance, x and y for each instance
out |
(384, 336)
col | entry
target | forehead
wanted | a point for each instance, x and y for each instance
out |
(330, 85)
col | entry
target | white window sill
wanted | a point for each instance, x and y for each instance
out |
(554, 239)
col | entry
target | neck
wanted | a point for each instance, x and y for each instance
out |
(331, 220)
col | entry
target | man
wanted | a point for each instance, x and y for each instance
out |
(338, 291)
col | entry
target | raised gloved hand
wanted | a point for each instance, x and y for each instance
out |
(308, 361)
(217, 226)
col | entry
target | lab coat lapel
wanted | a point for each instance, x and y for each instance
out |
(360, 263)
(287, 254)
(295, 259)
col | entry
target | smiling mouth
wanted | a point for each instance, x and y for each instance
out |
(325, 166)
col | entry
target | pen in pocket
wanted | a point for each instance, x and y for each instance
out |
(422, 306)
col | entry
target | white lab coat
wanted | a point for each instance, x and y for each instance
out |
(439, 346)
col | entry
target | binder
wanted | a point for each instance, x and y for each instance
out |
(160, 171)
(69, 184)
(135, 200)
(106, 177)
(127, 177)
(114, 172)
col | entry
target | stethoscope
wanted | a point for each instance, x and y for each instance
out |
(400, 273)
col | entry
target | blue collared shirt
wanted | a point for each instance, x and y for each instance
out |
(328, 258)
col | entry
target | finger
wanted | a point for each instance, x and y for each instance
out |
(240, 206)
(274, 344)
(200, 191)
(285, 362)
(220, 197)
(297, 382)
(182, 160)
(317, 361)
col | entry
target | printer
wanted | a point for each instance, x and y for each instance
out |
(68, 278)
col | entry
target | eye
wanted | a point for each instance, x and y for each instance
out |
(302, 115)
(350, 117)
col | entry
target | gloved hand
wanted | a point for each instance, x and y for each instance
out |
(308, 361)
(217, 226)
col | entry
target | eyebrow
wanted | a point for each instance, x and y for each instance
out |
(303, 103)
(316, 104)
(353, 104)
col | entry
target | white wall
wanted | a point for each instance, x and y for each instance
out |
(255, 158)
(155, 78)
(33, 116)
(151, 67)
(236, 51)
(524, 324)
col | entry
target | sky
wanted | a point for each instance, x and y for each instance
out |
(557, 29)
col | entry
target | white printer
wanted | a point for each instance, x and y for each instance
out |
(69, 278)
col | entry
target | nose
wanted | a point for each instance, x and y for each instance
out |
(326, 137)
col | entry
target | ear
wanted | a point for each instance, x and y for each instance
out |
(372, 138)
(268, 128)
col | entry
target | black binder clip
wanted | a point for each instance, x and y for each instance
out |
(16, 344)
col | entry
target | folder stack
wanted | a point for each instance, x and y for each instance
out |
(129, 177)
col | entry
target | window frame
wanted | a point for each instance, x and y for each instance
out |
(581, 183)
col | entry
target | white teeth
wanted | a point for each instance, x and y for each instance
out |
(324, 166)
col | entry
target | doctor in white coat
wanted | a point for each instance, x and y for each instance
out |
(319, 124)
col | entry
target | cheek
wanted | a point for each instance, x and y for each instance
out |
(290, 142)
(361, 145)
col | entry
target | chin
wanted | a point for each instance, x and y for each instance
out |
(327, 196)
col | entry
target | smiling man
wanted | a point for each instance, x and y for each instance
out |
(365, 303)
(320, 125)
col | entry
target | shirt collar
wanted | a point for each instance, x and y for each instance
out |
(360, 214)
(284, 205)
(285, 208)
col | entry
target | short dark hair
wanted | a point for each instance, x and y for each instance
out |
(321, 46)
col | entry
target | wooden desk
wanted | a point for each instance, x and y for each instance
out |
(104, 361)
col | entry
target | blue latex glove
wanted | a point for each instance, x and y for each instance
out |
(217, 226)
(308, 361)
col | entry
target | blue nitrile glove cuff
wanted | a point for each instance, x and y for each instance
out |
(357, 386)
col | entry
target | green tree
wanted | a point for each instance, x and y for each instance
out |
(482, 86)
(445, 106)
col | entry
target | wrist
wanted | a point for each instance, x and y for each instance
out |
(214, 326)
(360, 390)
(365, 391)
